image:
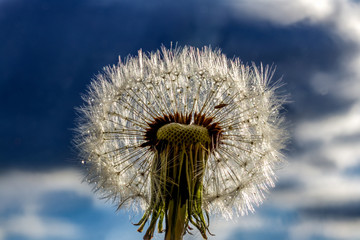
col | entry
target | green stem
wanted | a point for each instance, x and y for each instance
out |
(175, 220)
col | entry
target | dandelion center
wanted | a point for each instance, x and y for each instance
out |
(184, 129)
(176, 133)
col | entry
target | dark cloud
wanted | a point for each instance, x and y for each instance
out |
(290, 184)
(338, 212)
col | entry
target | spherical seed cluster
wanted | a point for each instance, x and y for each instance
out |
(124, 100)
(184, 134)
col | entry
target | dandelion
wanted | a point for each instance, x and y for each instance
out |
(181, 134)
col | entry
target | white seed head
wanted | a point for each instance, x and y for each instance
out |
(124, 99)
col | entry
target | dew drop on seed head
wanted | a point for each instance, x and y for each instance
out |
(179, 89)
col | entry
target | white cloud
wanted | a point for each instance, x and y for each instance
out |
(36, 227)
(344, 154)
(333, 134)
(347, 19)
(285, 12)
(317, 187)
(24, 191)
(33, 185)
(329, 128)
(332, 229)
(17, 184)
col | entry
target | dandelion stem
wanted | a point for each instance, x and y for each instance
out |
(175, 220)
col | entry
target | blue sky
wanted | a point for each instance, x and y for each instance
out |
(50, 50)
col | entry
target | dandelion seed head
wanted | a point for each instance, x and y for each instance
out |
(176, 95)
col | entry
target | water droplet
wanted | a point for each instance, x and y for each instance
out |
(179, 89)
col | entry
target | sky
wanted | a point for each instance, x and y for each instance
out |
(51, 49)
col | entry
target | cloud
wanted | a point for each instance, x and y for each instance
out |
(349, 87)
(347, 19)
(317, 187)
(338, 137)
(22, 199)
(330, 229)
(329, 128)
(17, 184)
(33, 226)
(223, 229)
(285, 12)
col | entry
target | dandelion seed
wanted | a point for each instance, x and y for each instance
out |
(181, 134)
